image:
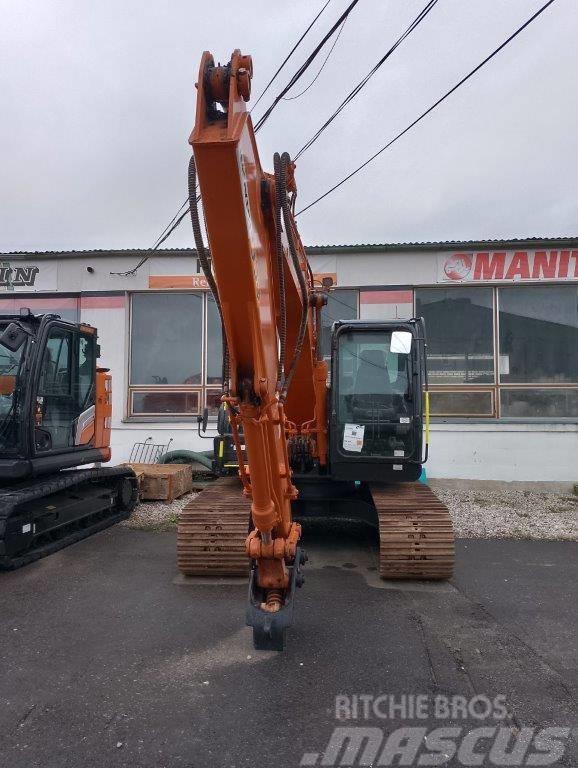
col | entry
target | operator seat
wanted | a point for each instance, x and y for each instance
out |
(372, 377)
(372, 398)
(377, 398)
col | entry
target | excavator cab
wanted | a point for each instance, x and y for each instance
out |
(378, 378)
(49, 385)
(55, 411)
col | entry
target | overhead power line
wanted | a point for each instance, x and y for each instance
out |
(291, 52)
(165, 234)
(352, 94)
(180, 215)
(292, 98)
(430, 109)
(307, 63)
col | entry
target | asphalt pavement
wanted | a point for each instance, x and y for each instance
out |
(109, 659)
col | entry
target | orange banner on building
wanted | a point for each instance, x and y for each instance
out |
(199, 282)
(195, 282)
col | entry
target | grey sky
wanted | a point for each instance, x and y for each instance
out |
(98, 99)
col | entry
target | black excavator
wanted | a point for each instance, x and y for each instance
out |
(55, 414)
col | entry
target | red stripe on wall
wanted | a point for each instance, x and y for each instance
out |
(102, 302)
(56, 302)
(386, 297)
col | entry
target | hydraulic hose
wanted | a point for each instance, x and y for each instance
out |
(281, 270)
(288, 222)
(173, 457)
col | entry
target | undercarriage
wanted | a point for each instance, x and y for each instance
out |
(416, 539)
(39, 517)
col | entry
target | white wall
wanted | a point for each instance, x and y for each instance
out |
(508, 452)
(466, 451)
(112, 337)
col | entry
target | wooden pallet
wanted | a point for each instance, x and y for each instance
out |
(163, 482)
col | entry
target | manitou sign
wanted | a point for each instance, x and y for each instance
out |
(27, 277)
(491, 266)
(17, 276)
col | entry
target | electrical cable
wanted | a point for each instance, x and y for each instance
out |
(165, 234)
(177, 218)
(303, 68)
(292, 98)
(353, 93)
(291, 52)
(430, 109)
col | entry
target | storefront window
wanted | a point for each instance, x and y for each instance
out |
(165, 403)
(459, 326)
(168, 371)
(341, 305)
(539, 334)
(166, 336)
(462, 403)
(213, 401)
(214, 343)
(537, 345)
(556, 403)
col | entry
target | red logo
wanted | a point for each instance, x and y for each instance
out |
(458, 266)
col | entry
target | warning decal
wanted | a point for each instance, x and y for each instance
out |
(353, 437)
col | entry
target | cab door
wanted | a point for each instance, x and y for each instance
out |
(65, 395)
(376, 416)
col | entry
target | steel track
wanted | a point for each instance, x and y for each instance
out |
(212, 531)
(415, 532)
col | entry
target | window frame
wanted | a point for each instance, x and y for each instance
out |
(202, 389)
(497, 385)
(450, 389)
(205, 389)
(526, 384)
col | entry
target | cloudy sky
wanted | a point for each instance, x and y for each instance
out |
(98, 100)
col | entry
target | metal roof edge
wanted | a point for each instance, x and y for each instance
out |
(445, 245)
(313, 250)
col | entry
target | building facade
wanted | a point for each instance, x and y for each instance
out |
(501, 317)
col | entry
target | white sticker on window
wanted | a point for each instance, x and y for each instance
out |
(398, 466)
(26, 528)
(398, 453)
(404, 420)
(353, 437)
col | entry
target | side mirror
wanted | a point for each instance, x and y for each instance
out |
(13, 337)
(401, 342)
(203, 420)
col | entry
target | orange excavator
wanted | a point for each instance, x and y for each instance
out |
(307, 444)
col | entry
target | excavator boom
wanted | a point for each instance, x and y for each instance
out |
(263, 287)
(275, 383)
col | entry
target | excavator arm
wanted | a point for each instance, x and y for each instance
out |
(274, 377)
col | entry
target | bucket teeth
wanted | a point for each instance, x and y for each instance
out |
(416, 537)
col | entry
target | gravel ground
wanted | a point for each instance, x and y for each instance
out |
(512, 514)
(476, 513)
(156, 515)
